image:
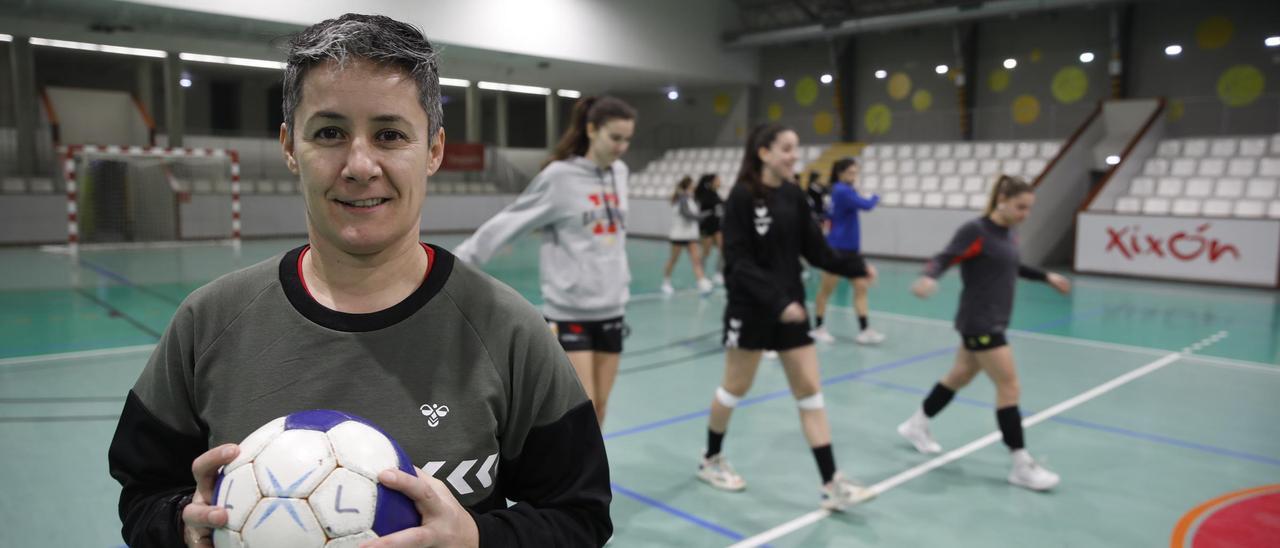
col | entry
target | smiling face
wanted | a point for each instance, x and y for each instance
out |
(850, 174)
(609, 141)
(361, 149)
(779, 159)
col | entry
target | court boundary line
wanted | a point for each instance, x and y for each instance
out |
(918, 470)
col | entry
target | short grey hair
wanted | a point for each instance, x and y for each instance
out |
(375, 38)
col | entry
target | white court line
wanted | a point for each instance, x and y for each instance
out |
(1210, 360)
(975, 445)
(82, 354)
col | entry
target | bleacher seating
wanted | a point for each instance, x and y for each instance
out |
(948, 175)
(659, 177)
(1209, 177)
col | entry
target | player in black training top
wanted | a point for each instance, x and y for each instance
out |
(767, 228)
(987, 253)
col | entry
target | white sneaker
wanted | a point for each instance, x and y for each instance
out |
(770, 354)
(717, 472)
(842, 492)
(916, 430)
(667, 289)
(705, 287)
(718, 279)
(1028, 473)
(820, 334)
(869, 336)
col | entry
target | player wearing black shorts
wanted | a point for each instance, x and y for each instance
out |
(711, 208)
(767, 228)
(987, 253)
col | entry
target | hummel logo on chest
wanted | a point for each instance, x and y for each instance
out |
(434, 413)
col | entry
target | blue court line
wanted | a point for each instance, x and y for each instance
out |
(1136, 434)
(122, 279)
(677, 512)
(746, 402)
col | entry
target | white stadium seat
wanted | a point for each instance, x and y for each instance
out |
(1169, 187)
(907, 166)
(1186, 207)
(1035, 167)
(974, 184)
(1250, 208)
(1027, 150)
(1005, 150)
(1223, 148)
(977, 201)
(886, 152)
(990, 166)
(1199, 187)
(927, 166)
(1183, 167)
(1012, 167)
(1216, 208)
(902, 151)
(956, 201)
(1261, 189)
(1142, 186)
(965, 150)
(1212, 167)
(1156, 167)
(912, 199)
(1168, 148)
(1253, 146)
(950, 184)
(892, 198)
(869, 182)
(888, 166)
(983, 150)
(1049, 149)
(909, 182)
(1195, 148)
(924, 151)
(1128, 205)
(934, 199)
(947, 167)
(1242, 167)
(942, 150)
(889, 182)
(1155, 206)
(967, 167)
(1229, 188)
(930, 183)
(1269, 167)
(1273, 210)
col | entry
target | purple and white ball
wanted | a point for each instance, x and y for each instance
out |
(310, 479)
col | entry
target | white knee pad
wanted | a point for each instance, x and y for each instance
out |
(725, 398)
(811, 403)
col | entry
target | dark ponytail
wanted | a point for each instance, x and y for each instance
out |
(1006, 187)
(751, 172)
(681, 187)
(596, 111)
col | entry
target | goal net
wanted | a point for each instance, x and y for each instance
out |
(124, 195)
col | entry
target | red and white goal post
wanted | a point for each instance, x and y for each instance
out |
(132, 194)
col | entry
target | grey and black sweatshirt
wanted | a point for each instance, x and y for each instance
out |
(581, 210)
(253, 345)
(989, 267)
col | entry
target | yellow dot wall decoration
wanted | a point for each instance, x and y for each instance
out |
(1240, 85)
(775, 112)
(899, 86)
(1026, 109)
(806, 91)
(921, 100)
(1176, 110)
(878, 119)
(823, 123)
(1070, 84)
(999, 80)
(1036, 55)
(722, 103)
(1214, 32)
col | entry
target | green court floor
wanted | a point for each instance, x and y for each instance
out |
(1149, 399)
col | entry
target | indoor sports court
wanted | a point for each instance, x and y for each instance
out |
(148, 165)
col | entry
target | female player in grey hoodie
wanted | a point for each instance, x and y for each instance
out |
(579, 203)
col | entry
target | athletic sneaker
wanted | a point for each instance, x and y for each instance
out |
(820, 334)
(717, 472)
(916, 430)
(718, 279)
(705, 287)
(869, 336)
(842, 492)
(770, 354)
(1028, 473)
(666, 288)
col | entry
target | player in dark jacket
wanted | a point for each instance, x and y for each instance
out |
(987, 252)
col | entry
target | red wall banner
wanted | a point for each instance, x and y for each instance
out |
(463, 157)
